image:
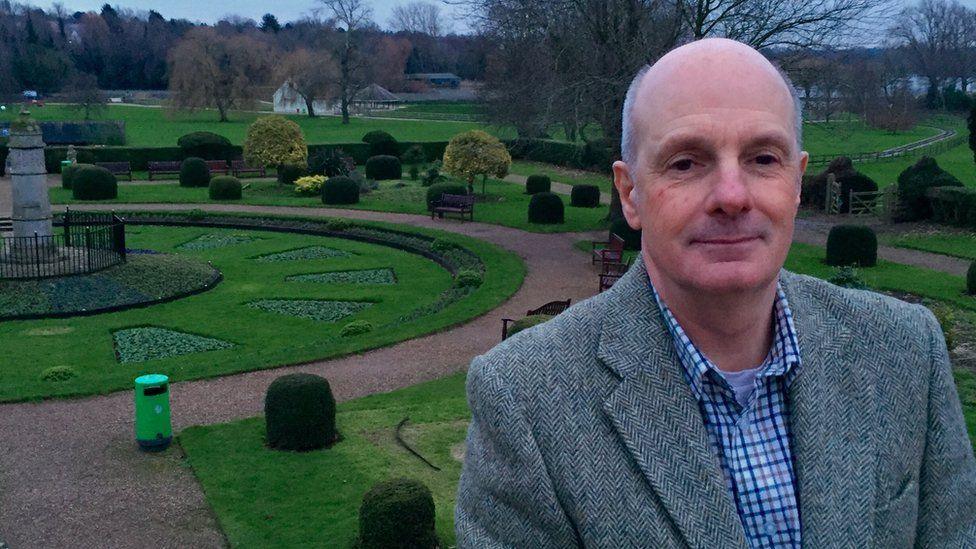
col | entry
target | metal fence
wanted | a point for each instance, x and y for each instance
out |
(89, 242)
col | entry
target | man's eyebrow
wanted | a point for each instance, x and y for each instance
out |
(775, 139)
(690, 141)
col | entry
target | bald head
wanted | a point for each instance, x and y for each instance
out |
(708, 74)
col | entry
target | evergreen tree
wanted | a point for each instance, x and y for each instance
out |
(269, 23)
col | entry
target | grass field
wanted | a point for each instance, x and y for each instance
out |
(261, 339)
(955, 244)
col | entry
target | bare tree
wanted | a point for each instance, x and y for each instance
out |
(417, 17)
(313, 74)
(209, 69)
(83, 94)
(353, 16)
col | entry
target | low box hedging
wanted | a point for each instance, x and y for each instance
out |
(584, 196)
(397, 513)
(94, 183)
(384, 167)
(435, 191)
(68, 173)
(340, 190)
(356, 327)
(953, 205)
(194, 172)
(537, 184)
(299, 413)
(852, 245)
(225, 187)
(546, 208)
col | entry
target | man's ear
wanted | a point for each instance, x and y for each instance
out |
(628, 191)
(804, 159)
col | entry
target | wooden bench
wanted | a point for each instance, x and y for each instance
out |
(239, 166)
(164, 167)
(218, 166)
(612, 272)
(461, 204)
(611, 251)
(552, 308)
(117, 168)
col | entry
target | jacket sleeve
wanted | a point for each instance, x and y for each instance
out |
(505, 496)
(947, 481)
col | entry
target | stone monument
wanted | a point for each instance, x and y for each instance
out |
(28, 178)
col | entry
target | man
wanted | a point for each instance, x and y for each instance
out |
(711, 399)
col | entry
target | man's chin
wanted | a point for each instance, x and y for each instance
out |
(728, 278)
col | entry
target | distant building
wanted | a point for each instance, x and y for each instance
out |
(436, 79)
(374, 97)
(287, 100)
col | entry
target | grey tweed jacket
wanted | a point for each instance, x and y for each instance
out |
(584, 432)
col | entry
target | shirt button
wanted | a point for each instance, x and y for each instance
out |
(771, 528)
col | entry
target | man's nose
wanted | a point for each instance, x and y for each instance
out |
(730, 193)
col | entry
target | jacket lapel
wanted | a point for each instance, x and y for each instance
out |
(832, 419)
(658, 418)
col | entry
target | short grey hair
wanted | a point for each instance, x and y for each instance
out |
(628, 139)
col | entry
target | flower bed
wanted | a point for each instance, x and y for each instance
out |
(151, 343)
(366, 276)
(215, 240)
(310, 252)
(312, 309)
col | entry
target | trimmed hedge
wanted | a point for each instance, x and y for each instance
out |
(584, 196)
(632, 237)
(94, 183)
(527, 322)
(289, 173)
(913, 186)
(814, 188)
(852, 245)
(340, 190)
(68, 173)
(971, 279)
(537, 184)
(225, 187)
(384, 167)
(206, 145)
(435, 191)
(381, 143)
(299, 412)
(546, 150)
(194, 172)
(397, 513)
(546, 208)
(953, 205)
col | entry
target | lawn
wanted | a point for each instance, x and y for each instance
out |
(563, 175)
(505, 204)
(260, 315)
(956, 244)
(843, 137)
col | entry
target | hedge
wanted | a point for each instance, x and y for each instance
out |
(206, 145)
(383, 167)
(546, 208)
(852, 245)
(953, 205)
(225, 187)
(397, 513)
(913, 186)
(537, 184)
(194, 172)
(94, 183)
(340, 189)
(585, 196)
(299, 412)
(68, 173)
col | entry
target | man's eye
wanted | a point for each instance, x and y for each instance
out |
(765, 159)
(682, 165)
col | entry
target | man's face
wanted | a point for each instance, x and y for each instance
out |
(715, 187)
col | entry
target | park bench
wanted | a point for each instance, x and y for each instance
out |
(552, 308)
(461, 204)
(612, 271)
(239, 166)
(218, 166)
(164, 167)
(611, 251)
(117, 168)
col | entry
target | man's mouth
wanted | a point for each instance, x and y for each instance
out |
(726, 240)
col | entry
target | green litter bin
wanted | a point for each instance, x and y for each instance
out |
(153, 429)
(65, 164)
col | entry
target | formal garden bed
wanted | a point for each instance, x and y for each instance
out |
(105, 352)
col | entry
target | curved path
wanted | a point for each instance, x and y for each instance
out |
(70, 475)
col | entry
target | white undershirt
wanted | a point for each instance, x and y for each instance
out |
(743, 383)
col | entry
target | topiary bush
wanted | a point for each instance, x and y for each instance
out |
(225, 187)
(852, 245)
(94, 183)
(971, 279)
(58, 373)
(914, 183)
(381, 143)
(474, 153)
(340, 190)
(194, 172)
(356, 327)
(330, 162)
(289, 173)
(68, 174)
(435, 191)
(813, 191)
(537, 184)
(546, 208)
(207, 145)
(383, 167)
(299, 412)
(632, 237)
(467, 278)
(273, 141)
(526, 323)
(310, 185)
(397, 513)
(584, 196)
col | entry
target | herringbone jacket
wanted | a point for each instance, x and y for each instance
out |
(584, 432)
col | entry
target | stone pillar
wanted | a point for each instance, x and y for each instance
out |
(28, 179)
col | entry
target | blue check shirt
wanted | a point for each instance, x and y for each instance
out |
(751, 443)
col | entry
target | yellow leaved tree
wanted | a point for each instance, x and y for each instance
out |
(475, 153)
(274, 141)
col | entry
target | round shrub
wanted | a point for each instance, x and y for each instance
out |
(356, 327)
(537, 184)
(299, 412)
(527, 322)
(383, 167)
(207, 145)
(914, 182)
(289, 173)
(94, 183)
(397, 513)
(546, 208)
(467, 278)
(225, 187)
(632, 237)
(971, 279)
(381, 143)
(340, 190)
(274, 140)
(584, 196)
(68, 174)
(194, 172)
(310, 185)
(435, 191)
(852, 245)
(58, 373)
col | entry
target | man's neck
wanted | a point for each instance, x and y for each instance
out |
(734, 330)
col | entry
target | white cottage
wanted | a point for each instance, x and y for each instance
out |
(374, 97)
(287, 100)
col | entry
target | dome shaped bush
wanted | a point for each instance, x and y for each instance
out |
(584, 196)
(356, 327)
(340, 190)
(289, 173)
(527, 322)
(274, 140)
(914, 182)
(94, 183)
(435, 191)
(381, 143)
(68, 174)
(546, 208)
(58, 373)
(299, 412)
(632, 237)
(538, 184)
(206, 145)
(225, 187)
(971, 279)
(475, 152)
(194, 172)
(383, 167)
(852, 245)
(397, 514)
(467, 278)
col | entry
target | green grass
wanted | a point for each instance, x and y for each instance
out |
(262, 339)
(507, 203)
(955, 244)
(842, 137)
(562, 175)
